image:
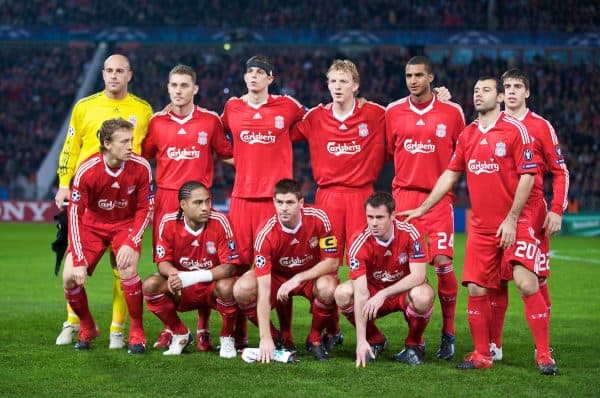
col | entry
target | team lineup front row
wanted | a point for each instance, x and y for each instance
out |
(203, 258)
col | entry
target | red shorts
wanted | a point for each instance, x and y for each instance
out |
(539, 212)
(197, 296)
(345, 208)
(526, 252)
(437, 224)
(486, 264)
(165, 202)
(95, 240)
(391, 304)
(304, 289)
(246, 216)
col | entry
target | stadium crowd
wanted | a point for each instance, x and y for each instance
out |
(38, 75)
(545, 15)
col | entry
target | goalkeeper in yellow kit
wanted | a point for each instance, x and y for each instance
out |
(80, 143)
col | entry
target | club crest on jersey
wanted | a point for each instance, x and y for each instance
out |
(363, 130)
(130, 189)
(500, 150)
(403, 257)
(354, 264)
(160, 251)
(313, 242)
(528, 154)
(133, 120)
(260, 261)
(231, 244)
(279, 122)
(202, 138)
(75, 195)
(440, 130)
(210, 247)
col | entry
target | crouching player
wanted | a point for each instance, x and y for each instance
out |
(388, 268)
(111, 205)
(295, 254)
(197, 258)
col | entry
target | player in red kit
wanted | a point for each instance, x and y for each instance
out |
(388, 268)
(296, 253)
(111, 205)
(546, 222)
(262, 149)
(421, 135)
(497, 155)
(197, 258)
(346, 139)
(182, 140)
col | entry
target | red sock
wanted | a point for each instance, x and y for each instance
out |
(374, 335)
(333, 325)
(536, 313)
(499, 303)
(284, 314)
(480, 314)
(163, 307)
(321, 314)
(204, 318)
(249, 312)
(241, 328)
(447, 291)
(77, 299)
(229, 311)
(546, 293)
(416, 325)
(132, 289)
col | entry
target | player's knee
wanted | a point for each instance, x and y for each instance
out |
(441, 259)
(244, 290)
(525, 280)
(224, 287)
(152, 284)
(325, 288)
(422, 297)
(344, 294)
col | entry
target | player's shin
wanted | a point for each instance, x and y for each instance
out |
(499, 304)
(119, 309)
(536, 313)
(77, 299)
(229, 311)
(447, 291)
(479, 314)
(132, 288)
(417, 323)
(321, 315)
(163, 307)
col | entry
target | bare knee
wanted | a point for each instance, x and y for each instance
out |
(153, 284)
(526, 281)
(224, 288)
(421, 297)
(245, 288)
(67, 275)
(476, 290)
(344, 294)
(324, 288)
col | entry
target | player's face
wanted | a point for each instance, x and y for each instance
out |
(257, 80)
(196, 208)
(288, 208)
(486, 96)
(116, 75)
(341, 86)
(515, 93)
(121, 146)
(380, 222)
(182, 89)
(418, 80)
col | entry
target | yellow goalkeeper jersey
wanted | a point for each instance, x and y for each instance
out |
(88, 115)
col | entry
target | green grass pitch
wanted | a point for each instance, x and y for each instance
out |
(32, 310)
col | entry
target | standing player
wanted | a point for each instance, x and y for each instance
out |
(111, 205)
(262, 149)
(346, 140)
(497, 155)
(81, 142)
(295, 254)
(546, 222)
(421, 135)
(182, 141)
(388, 273)
(196, 257)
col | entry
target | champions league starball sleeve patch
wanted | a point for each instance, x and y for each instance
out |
(354, 264)
(160, 251)
(75, 195)
(260, 261)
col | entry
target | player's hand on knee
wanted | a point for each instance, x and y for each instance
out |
(283, 294)
(80, 275)
(174, 284)
(127, 257)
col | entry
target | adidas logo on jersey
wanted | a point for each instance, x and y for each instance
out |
(294, 242)
(257, 116)
(181, 132)
(388, 252)
(483, 141)
(343, 127)
(195, 243)
(115, 185)
(420, 122)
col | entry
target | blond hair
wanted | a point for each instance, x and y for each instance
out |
(345, 65)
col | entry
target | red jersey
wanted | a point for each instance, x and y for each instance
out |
(385, 263)
(120, 197)
(190, 250)
(493, 158)
(262, 148)
(288, 252)
(421, 140)
(183, 147)
(552, 161)
(347, 150)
